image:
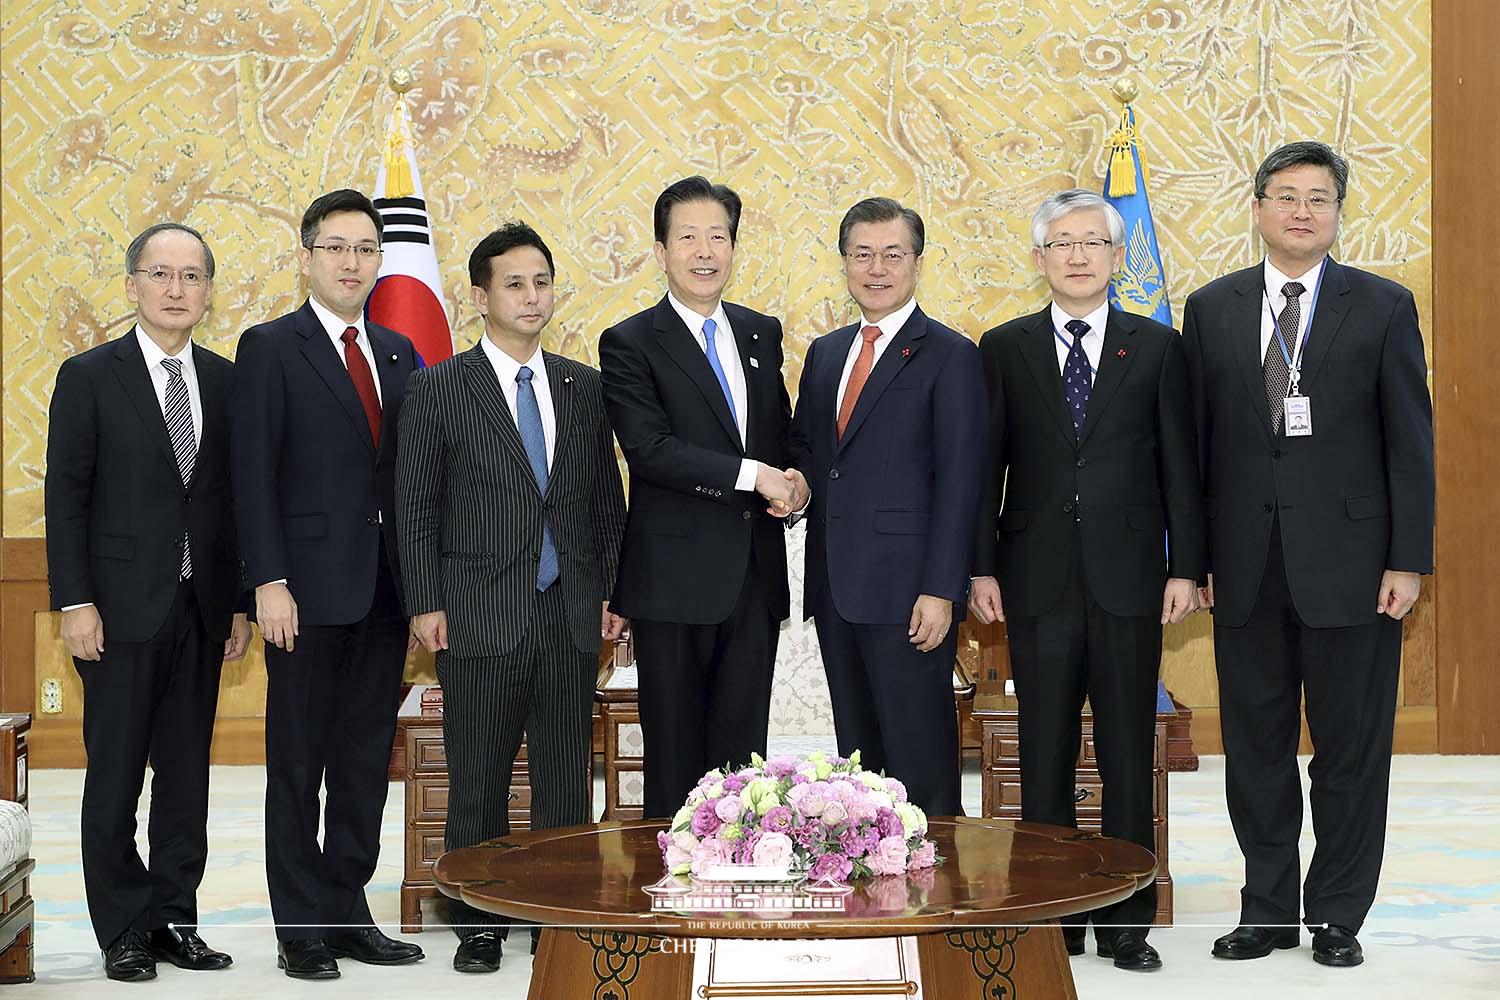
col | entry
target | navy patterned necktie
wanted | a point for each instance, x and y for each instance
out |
(529, 422)
(179, 416)
(1076, 380)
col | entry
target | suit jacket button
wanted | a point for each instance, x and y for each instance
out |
(371, 521)
(1267, 507)
(1082, 462)
(1276, 453)
(746, 515)
(1068, 508)
(833, 473)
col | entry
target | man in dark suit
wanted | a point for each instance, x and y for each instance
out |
(510, 514)
(317, 401)
(1315, 427)
(143, 565)
(1093, 451)
(890, 421)
(694, 392)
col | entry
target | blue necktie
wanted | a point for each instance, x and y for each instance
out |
(529, 417)
(1076, 381)
(709, 329)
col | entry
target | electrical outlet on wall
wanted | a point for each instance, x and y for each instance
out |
(51, 696)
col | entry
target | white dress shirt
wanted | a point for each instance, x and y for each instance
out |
(729, 359)
(335, 328)
(506, 368)
(1093, 341)
(1277, 301)
(889, 327)
(154, 356)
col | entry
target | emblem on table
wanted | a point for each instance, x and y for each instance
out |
(753, 891)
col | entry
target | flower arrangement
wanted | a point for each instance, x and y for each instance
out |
(824, 817)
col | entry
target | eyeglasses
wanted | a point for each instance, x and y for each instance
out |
(362, 251)
(891, 258)
(1317, 204)
(1065, 247)
(189, 276)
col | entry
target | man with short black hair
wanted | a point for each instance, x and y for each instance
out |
(142, 562)
(318, 400)
(510, 513)
(1315, 426)
(694, 391)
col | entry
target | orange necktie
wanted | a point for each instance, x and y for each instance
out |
(858, 376)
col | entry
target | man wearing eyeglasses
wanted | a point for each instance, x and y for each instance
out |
(890, 414)
(1315, 426)
(317, 403)
(1093, 468)
(141, 561)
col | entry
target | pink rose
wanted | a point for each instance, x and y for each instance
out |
(889, 857)
(728, 808)
(896, 789)
(773, 849)
(709, 853)
(834, 813)
(809, 799)
(923, 857)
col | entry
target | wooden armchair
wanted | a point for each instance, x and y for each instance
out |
(17, 913)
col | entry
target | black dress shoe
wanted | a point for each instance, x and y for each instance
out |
(1075, 938)
(185, 949)
(1129, 950)
(371, 947)
(1247, 941)
(478, 953)
(128, 960)
(1337, 946)
(306, 958)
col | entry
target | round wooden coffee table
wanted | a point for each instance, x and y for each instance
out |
(985, 921)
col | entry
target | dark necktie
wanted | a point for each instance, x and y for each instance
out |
(364, 382)
(179, 416)
(858, 376)
(1076, 381)
(1278, 375)
(529, 422)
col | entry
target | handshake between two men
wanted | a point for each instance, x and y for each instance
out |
(786, 491)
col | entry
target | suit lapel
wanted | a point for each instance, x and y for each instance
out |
(1242, 320)
(130, 368)
(1328, 319)
(902, 349)
(386, 349)
(832, 361)
(684, 351)
(1114, 361)
(746, 339)
(564, 397)
(325, 360)
(479, 375)
(213, 397)
(1039, 352)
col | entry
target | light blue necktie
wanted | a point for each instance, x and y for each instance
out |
(709, 329)
(529, 417)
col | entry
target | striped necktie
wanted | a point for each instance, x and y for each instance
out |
(179, 416)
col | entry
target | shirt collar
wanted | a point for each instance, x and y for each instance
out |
(333, 325)
(1096, 319)
(506, 366)
(1275, 279)
(154, 354)
(892, 324)
(694, 320)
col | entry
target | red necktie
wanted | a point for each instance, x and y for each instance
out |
(858, 376)
(364, 382)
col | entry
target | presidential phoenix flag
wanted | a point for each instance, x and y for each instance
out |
(1140, 286)
(408, 295)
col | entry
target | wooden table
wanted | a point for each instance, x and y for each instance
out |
(984, 921)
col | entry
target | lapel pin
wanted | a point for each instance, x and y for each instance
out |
(567, 380)
(1120, 353)
(754, 362)
(394, 359)
(906, 352)
(755, 336)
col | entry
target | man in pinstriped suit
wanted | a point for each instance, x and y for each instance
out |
(509, 519)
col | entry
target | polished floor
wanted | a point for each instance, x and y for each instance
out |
(1435, 929)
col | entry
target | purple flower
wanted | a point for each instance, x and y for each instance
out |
(744, 852)
(809, 834)
(896, 788)
(778, 819)
(705, 822)
(809, 799)
(923, 857)
(782, 766)
(856, 843)
(889, 823)
(832, 865)
(735, 783)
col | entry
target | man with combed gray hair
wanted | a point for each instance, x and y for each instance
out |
(1094, 467)
(1310, 390)
(142, 563)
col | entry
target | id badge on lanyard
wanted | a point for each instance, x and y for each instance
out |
(1296, 408)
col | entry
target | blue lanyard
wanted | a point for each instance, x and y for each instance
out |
(1312, 308)
(1064, 341)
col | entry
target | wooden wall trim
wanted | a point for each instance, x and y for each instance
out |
(1466, 302)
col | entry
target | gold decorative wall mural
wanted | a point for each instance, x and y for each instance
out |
(231, 115)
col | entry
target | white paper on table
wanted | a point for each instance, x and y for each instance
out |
(776, 964)
(622, 677)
